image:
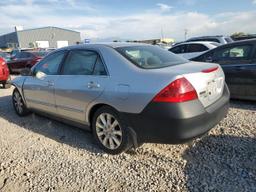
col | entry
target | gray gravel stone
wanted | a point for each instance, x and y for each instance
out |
(39, 154)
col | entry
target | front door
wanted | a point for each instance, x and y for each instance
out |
(83, 79)
(39, 88)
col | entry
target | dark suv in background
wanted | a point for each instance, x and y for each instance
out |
(238, 61)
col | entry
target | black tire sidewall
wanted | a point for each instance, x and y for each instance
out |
(25, 110)
(126, 140)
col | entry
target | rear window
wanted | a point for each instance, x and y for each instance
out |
(150, 57)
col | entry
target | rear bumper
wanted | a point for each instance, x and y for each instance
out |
(174, 123)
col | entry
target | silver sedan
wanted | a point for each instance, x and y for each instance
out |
(126, 94)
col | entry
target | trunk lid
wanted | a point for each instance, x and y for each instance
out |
(208, 79)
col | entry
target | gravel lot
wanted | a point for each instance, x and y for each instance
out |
(39, 154)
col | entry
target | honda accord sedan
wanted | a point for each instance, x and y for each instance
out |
(126, 94)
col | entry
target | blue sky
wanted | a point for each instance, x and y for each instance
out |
(133, 19)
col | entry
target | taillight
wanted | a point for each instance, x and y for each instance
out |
(210, 70)
(38, 59)
(179, 90)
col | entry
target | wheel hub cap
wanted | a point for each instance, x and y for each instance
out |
(108, 131)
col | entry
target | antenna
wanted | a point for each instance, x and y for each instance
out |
(185, 33)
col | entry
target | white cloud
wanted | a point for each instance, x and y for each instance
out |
(144, 25)
(164, 7)
(254, 2)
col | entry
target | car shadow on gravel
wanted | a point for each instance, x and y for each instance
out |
(243, 104)
(221, 163)
(60, 132)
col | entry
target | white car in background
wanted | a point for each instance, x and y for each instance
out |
(190, 50)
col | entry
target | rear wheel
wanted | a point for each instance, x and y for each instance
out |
(110, 131)
(18, 103)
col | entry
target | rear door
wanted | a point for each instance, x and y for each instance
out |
(236, 61)
(83, 79)
(250, 71)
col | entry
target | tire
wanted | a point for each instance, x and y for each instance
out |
(112, 135)
(18, 104)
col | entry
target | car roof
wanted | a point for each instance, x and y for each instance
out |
(211, 43)
(204, 37)
(107, 44)
(197, 42)
(242, 42)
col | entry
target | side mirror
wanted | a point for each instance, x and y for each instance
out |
(26, 72)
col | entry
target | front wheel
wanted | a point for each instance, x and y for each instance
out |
(18, 103)
(110, 131)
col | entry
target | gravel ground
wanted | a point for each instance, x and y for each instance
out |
(39, 154)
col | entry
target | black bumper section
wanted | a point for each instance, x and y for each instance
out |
(174, 123)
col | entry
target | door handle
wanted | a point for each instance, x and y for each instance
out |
(92, 85)
(50, 83)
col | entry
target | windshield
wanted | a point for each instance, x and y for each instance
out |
(150, 57)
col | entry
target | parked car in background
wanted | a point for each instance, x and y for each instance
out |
(128, 94)
(164, 45)
(24, 60)
(190, 50)
(4, 74)
(5, 56)
(218, 39)
(238, 61)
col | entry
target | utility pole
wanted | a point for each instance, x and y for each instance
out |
(162, 33)
(185, 33)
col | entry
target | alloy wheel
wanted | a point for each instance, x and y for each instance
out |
(109, 131)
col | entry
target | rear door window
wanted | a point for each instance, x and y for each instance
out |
(196, 48)
(178, 49)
